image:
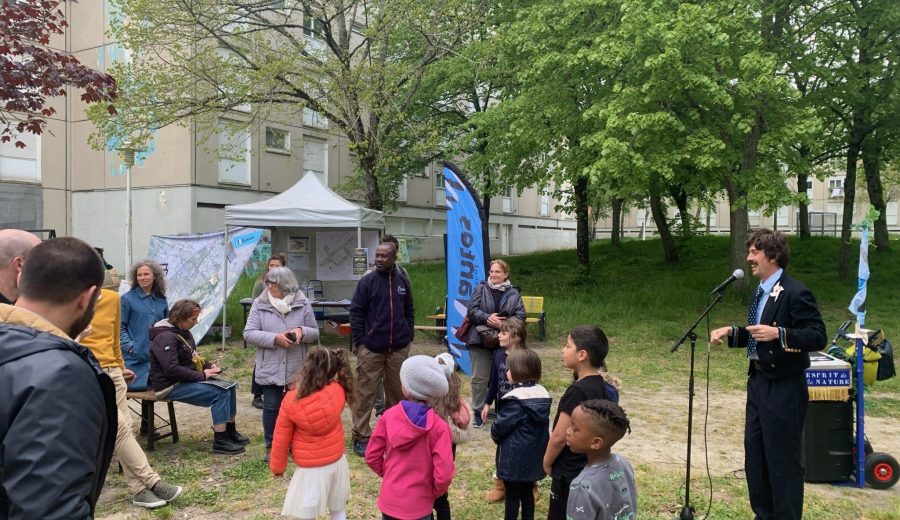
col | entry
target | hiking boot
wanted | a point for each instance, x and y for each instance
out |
(148, 499)
(257, 402)
(268, 454)
(359, 447)
(166, 491)
(223, 445)
(497, 493)
(236, 437)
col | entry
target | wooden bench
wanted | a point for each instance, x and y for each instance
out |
(534, 313)
(148, 417)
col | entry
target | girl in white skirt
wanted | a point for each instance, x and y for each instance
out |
(309, 426)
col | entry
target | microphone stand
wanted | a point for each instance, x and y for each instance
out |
(687, 512)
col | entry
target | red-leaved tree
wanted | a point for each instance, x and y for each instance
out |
(31, 72)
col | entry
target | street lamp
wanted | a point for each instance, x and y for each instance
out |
(128, 151)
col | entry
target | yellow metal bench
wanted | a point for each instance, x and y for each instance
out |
(534, 313)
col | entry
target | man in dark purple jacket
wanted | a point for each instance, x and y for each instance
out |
(381, 321)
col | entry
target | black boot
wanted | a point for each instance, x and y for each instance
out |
(223, 445)
(235, 436)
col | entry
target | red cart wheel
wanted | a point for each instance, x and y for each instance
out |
(882, 470)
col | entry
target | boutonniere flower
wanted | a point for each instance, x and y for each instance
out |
(776, 291)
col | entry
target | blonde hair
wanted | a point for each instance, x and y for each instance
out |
(503, 265)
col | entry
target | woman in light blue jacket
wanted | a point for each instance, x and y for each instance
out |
(280, 325)
(142, 306)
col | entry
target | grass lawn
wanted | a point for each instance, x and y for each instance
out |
(643, 305)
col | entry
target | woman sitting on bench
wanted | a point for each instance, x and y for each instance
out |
(174, 376)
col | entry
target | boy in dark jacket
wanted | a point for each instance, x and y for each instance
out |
(521, 432)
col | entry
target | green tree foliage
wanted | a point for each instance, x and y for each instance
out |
(359, 64)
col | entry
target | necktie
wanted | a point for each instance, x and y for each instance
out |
(753, 319)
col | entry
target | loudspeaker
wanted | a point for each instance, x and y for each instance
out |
(827, 443)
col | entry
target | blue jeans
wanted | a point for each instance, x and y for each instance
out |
(222, 403)
(272, 396)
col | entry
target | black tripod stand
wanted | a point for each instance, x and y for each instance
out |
(687, 512)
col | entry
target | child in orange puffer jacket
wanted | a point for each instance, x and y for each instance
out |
(309, 426)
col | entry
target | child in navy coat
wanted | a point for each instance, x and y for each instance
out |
(521, 432)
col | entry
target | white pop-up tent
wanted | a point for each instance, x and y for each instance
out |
(307, 204)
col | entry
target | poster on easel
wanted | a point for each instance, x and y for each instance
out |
(360, 261)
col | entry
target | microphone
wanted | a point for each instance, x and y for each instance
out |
(738, 274)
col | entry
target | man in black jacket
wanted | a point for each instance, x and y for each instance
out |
(382, 323)
(784, 324)
(58, 411)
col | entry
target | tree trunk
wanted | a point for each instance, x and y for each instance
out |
(871, 154)
(853, 151)
(739, 225)
(803, 222)
(615, 235)
(371, 189)
(582, 238)
(658, 210)
(681, 202)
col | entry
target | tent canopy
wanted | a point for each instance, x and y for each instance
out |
(308, 203)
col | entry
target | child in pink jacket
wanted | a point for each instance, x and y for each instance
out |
(411, 446)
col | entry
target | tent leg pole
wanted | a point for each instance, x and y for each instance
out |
(225, 286)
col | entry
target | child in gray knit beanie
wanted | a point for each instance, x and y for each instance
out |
(411, 447)
(423, 379)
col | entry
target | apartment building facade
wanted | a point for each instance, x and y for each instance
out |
(181, 186)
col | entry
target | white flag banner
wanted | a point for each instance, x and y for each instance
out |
(194, 268)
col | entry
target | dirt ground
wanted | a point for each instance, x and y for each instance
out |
(659, 426)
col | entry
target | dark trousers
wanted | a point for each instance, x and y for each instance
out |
(559, 498)
(255, 387)
(776, 413)
(272, 396)
(442, 503)
(519, 493)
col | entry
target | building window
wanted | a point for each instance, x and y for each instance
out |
(891, 213)
(545, 204)
(507, 200)
(314, 119)
(234, 153)
(836, 187)
(312, 27)
(439, 180)
(315, 157)
(278, 140)
(21, 164)
(809, 189)
(836, 207)
(401, 190)
(424, 172)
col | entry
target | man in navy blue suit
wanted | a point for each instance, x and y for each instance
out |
(783, 325)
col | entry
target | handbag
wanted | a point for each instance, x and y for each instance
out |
(462, 332)
(198, 360)
(490, 337)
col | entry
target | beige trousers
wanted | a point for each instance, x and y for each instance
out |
(370, 367)
(135, 466)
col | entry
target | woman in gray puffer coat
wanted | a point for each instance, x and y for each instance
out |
(280, 325)
(493, 300)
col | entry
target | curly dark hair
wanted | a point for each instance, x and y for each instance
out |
(159, 277)
(322, 365)
(608, 419)
(773, 243)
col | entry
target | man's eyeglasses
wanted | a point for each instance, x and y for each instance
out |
(269, 282)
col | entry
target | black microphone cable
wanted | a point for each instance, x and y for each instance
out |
(706, 414)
